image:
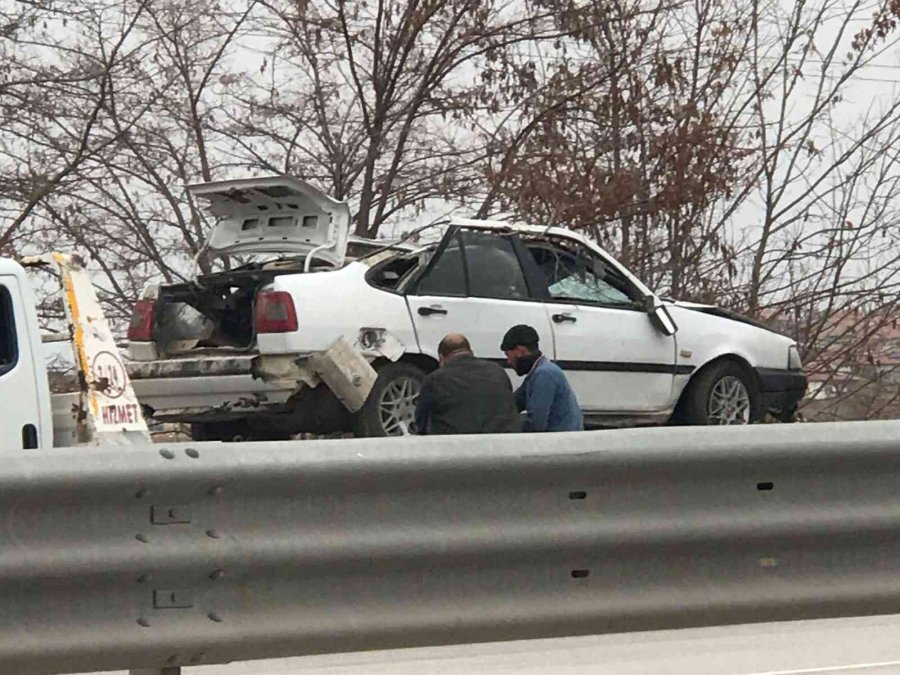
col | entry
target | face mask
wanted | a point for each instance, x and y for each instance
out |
(526, 363)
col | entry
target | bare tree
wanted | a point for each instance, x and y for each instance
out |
(366, 99)
(59, 66)
(124, 204)
(638, 158)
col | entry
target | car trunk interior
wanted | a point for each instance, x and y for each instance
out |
(215, 311)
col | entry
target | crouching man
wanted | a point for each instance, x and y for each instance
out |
(546, 395)
(465, 395)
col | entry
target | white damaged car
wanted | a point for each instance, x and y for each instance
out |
(238, 354)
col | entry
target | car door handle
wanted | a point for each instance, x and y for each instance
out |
(562, 318)
(428, 311)
(29, 437)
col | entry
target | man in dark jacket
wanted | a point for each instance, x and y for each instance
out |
(546, 395)
(465, 395)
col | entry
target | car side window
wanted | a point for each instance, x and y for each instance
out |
(8, 341)
(447, 276)
(478, 265)
(493, 267)
(583, 277)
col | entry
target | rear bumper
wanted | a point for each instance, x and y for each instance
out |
(781, 390)
(216, 388)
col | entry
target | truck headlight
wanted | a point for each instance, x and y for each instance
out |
(794, 361)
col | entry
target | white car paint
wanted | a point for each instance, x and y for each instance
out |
(337, 304)
(617, 356)
(275, 214)
(605, 334)
(23, 383)
(340, 302)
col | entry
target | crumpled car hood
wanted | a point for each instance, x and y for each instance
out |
(721, 312)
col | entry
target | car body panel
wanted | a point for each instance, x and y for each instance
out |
(622, 366)
(337, 304)
(616, 360)
(276, 214)
(24, 374)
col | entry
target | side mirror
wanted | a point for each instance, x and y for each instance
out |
(659, 315)
(664, 321)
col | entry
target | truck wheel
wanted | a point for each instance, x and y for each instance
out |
(723, 394)
(391, 407)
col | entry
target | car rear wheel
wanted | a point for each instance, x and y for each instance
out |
(391, 407)
(723, 394)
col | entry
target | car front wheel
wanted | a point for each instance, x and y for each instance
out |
(723, 394)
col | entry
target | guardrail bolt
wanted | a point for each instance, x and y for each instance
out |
(580, 494)
(580, 574)
(212, 534)
(215, 575)
(198, 658)
(144, 578)
(172, 659)
(190, 452)
(768, 485)
(215, 617)
(168, 454)
(140, 494)
(144, 623)
(143, 538)
(215, 491)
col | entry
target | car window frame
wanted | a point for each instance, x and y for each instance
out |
(416, 284)
(534, 283)
(494, 235)
(8, 315)
(405, 281)
(636, 295)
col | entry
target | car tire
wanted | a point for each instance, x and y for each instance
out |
(390, 408)
(722, 394)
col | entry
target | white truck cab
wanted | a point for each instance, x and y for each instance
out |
(105, 410)
(26, 416)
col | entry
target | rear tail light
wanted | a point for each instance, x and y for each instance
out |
(141, 327)
(275, 312)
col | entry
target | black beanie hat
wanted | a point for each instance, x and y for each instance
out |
(519, 335)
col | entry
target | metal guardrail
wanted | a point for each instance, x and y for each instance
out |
(168, 556)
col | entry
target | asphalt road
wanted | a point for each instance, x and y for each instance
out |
(869, 645)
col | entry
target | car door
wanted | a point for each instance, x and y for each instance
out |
(616, 359)
(21, 418)
(475, 285)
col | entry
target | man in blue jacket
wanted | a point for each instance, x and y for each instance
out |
(545, 395)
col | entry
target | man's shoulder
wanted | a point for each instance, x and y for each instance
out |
(548, 367)
(487, 370)
(488, 364)
(460, 366)
(548, 371)
(473, 362)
